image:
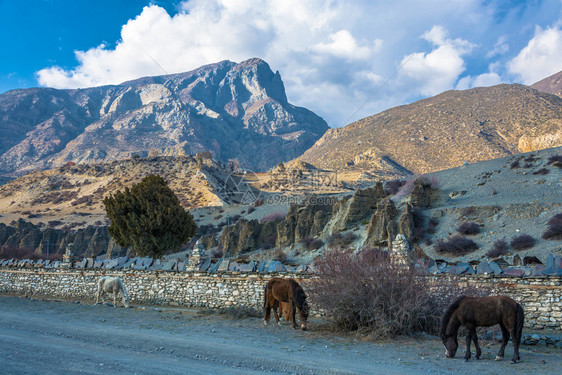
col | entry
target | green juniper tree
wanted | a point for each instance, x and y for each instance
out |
(149, 218)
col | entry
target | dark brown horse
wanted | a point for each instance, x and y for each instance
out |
(472, 312)
(280, 290)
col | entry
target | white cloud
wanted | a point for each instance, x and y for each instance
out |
(344, 45)
(334, 56)
(501, 47)
(436, 71)
(542, 57)
(489, 78)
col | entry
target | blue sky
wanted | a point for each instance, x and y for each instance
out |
(342, 59)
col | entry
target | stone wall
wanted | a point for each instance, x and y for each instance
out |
(540, 296)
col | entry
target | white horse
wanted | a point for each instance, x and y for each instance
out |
(112, 285)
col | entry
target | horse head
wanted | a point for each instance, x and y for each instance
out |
(303, 314)
(451, 345)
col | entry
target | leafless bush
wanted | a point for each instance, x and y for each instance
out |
(469, 228)
(280, 256)
(554, 230)
(522, 242)
(273, 216)
(515, 164)
(340, 241)
(457, 245)
(555, 160)
(367, 292)
(499, 248)
(393, 186)
(541, 171)
(312, 244)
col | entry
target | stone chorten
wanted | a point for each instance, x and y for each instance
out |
(197, 257)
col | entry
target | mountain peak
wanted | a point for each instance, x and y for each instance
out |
(238, 112)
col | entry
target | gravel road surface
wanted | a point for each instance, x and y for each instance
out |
(45, 336)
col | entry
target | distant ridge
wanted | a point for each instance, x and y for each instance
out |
(551, 85)
(445, 131)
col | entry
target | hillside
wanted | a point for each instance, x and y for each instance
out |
(445, 131)
(551, 85)
(73, 193)
(238, 112)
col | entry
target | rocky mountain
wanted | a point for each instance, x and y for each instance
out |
(238, 112)
(445, 131)
(551, 85)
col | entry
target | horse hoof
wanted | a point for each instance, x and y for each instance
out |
(466, 359)
(265, 322)
(498, 358)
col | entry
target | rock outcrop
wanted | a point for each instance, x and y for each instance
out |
(382, 226)
(359, 207)
(302, 221)
(91, 241)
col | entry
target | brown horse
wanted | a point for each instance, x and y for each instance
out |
(472, 312)
(280, 290)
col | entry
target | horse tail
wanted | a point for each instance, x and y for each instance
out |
(520, 321)
(448, 314)
(265, 296)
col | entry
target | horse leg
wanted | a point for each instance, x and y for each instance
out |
(471, 331)
(115, 298)
(276, 311)
(505, 340)
(293, 312)
(516, 343)
(478, 350)
(266, 309)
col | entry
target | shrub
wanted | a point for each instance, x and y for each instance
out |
(555, 160)
(541, 171)
(273, 216)
(432, 225)
(216, 253)
(340, 241)
(515, 164)
(149, 218)
(469, 228)
(364, 291)
(554, 230)
(393, 186)
(280, 256)
(522, 242)
(312, 244)
(499, 248)
(458, 245)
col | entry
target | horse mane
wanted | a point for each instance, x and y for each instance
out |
(448, 313)
(122, 286)
(298, 294)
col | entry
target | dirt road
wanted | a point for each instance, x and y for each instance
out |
(65, 337)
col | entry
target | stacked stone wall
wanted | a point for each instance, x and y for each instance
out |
(539, 296)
